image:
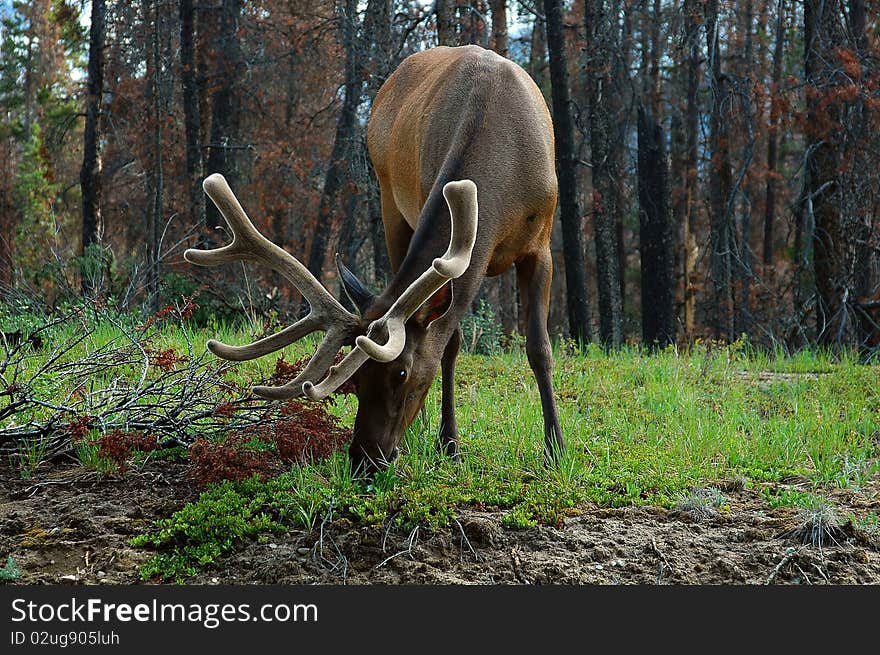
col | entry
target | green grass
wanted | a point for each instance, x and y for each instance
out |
(640, 428)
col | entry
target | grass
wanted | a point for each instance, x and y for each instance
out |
(641, 429)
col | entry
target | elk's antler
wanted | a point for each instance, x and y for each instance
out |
(326, 313)
(461, 196)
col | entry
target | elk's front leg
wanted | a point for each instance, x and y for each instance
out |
(448, 426)
(533, 276)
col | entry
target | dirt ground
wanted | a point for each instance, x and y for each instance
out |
(66, 525)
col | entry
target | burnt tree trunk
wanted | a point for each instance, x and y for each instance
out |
(720, 183)
(566, 163)
(377, 22)
(655, 235)
(191, 116)
(538, 51)
(822, 192)
(445, 15)
(744, 264)
(225, 105)
(499, 26)
(605, 200)
(337, 174)
(692, 139)
(90, 173)
(155, 171)
(773, 135)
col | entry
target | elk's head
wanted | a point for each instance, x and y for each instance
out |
(391, 362)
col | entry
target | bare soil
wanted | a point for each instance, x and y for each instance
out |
(67, 525)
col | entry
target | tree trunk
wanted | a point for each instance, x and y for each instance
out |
(538, 52)
(720, 183)
(605, 200)
(744, 266)
(655, 94)
(569, 212)
(343, 142)
(377, 22)
(499, 26)
(191, 116)
(155, 172)
(445, 15)
(692, 138)
(773, 135)
(832, 196)
(655, 235)
(90, 173)
(225, 105)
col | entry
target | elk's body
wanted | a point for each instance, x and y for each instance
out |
(444, 115)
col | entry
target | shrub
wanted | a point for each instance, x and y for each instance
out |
(482, 333)
(305, 433)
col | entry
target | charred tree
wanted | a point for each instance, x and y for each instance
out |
(445, 15)
(191, 115)
(773, 136)
(377, 23)
(720, 184)
(155, 168)
(225, 104)
(566, 163)
(90, 173)
(655, 234)
(836, 199)
(499, 26)
(337, 175)
(605, 197)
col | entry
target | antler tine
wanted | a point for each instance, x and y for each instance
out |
(320, 361)
(268, 344)
(249, 244)
(326, 312)
(336, 376)
(461, 196)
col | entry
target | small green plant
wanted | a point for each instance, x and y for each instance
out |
(87, 452)
(31, 454)
(482, 333)
(198, 534)
(868, 524)
(10, 571)
(784, 497)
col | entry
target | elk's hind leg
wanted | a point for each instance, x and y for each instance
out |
(448, 426)
(533, 276)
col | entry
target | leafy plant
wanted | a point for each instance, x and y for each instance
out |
(482, 332)
(10, 571)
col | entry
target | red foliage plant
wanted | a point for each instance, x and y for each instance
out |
(287, 371)
(234, 459)
(78, 429)
(117, 446)
(304, 433)
(165, 359)
(183, 312)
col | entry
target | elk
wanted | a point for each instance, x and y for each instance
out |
(448, 127)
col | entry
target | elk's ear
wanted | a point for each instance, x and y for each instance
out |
(436, 306)
(357, 292)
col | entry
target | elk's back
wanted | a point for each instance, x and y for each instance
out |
(466, 112)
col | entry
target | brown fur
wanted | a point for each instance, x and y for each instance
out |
(448, 114)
